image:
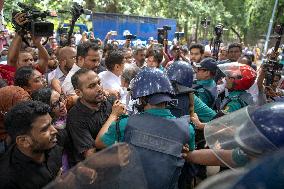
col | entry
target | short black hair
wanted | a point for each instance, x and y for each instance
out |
(75, 78)
(233, 45)
(108, 47)
(23, 75)
(42, 95)
(83, 48)
(158, 55)
(19, 119)
(197, 46)
(114, 57)
(138, 49)
(249, 59)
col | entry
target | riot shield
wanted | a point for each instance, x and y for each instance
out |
(236, 130)
(263, 174)
(115, 167)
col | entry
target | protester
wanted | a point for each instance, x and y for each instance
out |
(34, 159)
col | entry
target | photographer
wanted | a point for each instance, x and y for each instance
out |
(18, 58)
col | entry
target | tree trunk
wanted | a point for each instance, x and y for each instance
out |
(238, 35)
(186, 29)
(196, 29)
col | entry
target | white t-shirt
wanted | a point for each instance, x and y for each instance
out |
(58, 74)
(67, 86)
(111, 81)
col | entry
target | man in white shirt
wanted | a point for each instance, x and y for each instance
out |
(88, 56)
(66, 58)
(110, 79)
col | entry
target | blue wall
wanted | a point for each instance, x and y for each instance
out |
(143, 27)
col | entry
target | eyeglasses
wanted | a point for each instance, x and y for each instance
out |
(56, 104)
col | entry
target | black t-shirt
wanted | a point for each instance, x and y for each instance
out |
(83, 126)
(18, 171)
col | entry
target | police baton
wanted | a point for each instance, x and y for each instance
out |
(191, 104)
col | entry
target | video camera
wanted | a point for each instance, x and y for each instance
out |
(218, 30)
(36, 24)
(179, 35)
(76, 11)
(163, 34)
(272, 65)
(130, 37)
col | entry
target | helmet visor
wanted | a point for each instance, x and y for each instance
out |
(231, 69)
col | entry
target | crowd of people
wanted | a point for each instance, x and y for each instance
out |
(180, 108)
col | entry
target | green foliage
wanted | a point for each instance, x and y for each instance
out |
(250, 18)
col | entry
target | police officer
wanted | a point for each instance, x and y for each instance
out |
(181, 75)
(239, 78)
(205, 74)
(242, 136)
(155, 133)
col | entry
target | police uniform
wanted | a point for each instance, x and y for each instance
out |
(110, 137)
(236, 100)
(156, 134)
(207, 91)
(181, 75)
(243, 78)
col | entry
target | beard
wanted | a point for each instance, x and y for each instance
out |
(95, 99)
(38, 148)
(67, 69)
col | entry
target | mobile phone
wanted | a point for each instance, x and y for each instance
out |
(113, 32)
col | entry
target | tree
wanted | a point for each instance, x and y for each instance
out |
(246, 20)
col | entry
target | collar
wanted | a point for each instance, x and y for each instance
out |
(111, 75)
(206, 83)
(59, 73)
(75, 68)
(159, 112)
(18, 156)
(86, 109)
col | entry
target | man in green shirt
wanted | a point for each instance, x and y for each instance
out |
(206, 88)
(239, 78)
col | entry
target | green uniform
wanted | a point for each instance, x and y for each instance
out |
(203, 93)
(239, 157)
(205, 114)
(235, 102)
(110, 136)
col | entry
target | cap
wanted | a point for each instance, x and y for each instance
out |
(159, 98)
(208, 64)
